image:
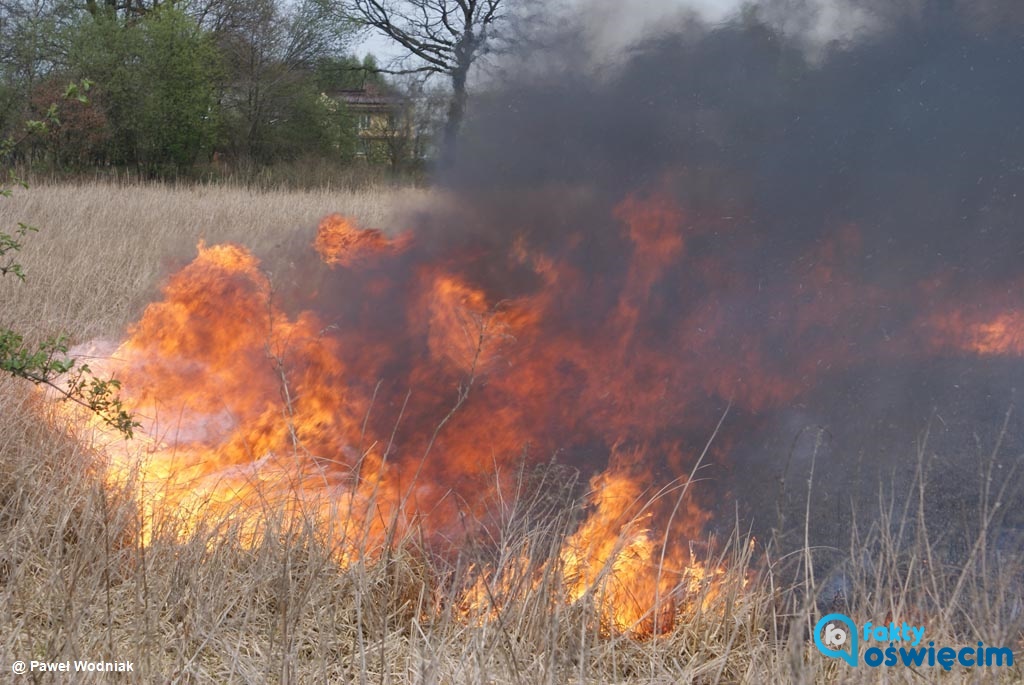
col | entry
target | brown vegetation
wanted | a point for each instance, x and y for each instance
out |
(76, 582)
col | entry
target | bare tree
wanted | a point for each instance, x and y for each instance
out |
(448, 36)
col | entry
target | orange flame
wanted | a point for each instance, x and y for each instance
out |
(339, 242)
(999, 335)
(415, 405)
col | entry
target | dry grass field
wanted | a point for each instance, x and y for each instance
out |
(76, 582)
(102, 249)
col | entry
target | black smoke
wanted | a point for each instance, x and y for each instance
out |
(910, 131)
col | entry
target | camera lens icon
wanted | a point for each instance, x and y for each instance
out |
(835, 636)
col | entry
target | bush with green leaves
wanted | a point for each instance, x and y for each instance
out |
(46, 362)
(158, 79)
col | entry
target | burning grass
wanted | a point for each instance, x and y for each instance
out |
(215, 607)
(545, 577)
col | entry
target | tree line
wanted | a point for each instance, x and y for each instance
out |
(176, 86)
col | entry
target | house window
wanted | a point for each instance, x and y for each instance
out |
(364, 122)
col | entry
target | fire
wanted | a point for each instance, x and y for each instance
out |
(227, 387)
(999, 335)
(1003, 335)
(616, 557)
(416, 380)
(339, 242)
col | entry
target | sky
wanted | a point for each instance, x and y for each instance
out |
(614, 23)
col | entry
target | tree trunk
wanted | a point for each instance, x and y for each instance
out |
(456, 112)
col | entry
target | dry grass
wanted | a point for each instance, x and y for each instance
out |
(103, 248)
(75, 582)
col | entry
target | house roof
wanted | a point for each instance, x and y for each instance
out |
(370, 96)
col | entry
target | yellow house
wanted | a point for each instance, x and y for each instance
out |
(383, 123)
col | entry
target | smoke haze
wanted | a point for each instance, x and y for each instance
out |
(839, 198)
